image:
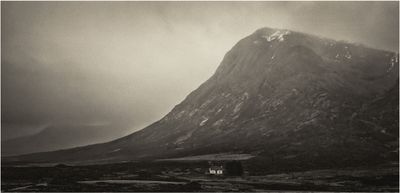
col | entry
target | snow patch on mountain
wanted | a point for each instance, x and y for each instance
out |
(115, 150)
(256, 42)
(237, 107)
(203, 122)
(393, 60)
(277, 35)
(347, 55)
(218, 123)
(193, 112)
(184, 138)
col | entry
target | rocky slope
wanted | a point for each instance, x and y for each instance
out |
(284, 96)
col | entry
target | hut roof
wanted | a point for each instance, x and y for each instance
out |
(216, 167)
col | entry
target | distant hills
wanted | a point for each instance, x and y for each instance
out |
(57, 137)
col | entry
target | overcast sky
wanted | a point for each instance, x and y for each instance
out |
(126, 64)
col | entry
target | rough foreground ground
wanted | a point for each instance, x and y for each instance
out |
(190, 176)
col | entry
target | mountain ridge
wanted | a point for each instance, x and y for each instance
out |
(276, 93)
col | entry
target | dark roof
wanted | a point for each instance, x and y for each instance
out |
(216, 167)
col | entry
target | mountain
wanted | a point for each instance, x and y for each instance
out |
(57, 137)
(291, 99)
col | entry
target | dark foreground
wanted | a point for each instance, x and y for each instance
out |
(190, 176)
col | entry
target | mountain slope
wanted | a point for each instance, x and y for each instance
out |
(57, 137)
(277, 94)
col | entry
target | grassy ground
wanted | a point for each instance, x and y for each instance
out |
(191, 176)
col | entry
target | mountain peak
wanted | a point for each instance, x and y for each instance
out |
(276, 92)
(273, 34)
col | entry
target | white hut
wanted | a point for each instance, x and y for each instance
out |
(216, 170)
